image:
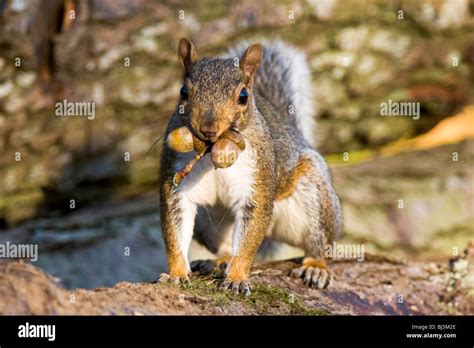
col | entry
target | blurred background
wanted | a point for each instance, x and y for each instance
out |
(86, 191)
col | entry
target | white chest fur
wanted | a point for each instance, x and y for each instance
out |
(206, 185)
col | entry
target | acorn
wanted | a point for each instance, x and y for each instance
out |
(227, 148)
(182, 140)
(235, 137)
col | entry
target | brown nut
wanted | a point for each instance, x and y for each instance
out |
(224, 153)
(235, 137)
(181, 140)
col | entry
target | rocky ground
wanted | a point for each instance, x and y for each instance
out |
(376, 286)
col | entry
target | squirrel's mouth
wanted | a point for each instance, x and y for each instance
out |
(208, 141)
(202, 137)
(211, 140)
(208, 136)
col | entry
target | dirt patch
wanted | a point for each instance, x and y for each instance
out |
(375, 286)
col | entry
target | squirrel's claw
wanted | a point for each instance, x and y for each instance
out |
(237, 287)
(166, 278)
(314, 277)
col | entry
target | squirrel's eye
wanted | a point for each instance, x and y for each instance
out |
(243, 96)
(184, 92)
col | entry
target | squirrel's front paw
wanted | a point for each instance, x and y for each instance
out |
(237, 286)
(167, 278)
(313, 272)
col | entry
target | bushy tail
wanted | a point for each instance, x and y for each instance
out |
(284, 77)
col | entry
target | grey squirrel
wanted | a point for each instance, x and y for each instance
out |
(279, 188)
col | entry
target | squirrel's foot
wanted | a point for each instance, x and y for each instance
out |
(236, 286)
(313, 272)
(206, 267)
(167, 278)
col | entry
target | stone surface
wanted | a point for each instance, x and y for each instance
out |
(377, 286)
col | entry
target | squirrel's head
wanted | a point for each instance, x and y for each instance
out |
(216, 92)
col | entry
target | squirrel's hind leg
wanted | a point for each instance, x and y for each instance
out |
(321, 208)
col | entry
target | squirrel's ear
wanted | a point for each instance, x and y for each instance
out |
(250, 61)
(187, 53)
